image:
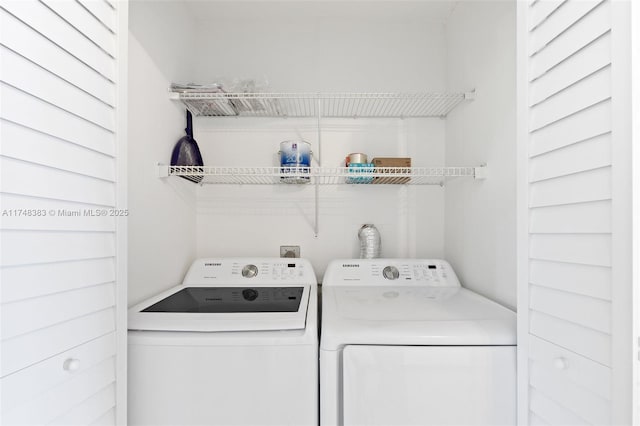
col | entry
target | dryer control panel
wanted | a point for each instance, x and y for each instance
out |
(389, 272)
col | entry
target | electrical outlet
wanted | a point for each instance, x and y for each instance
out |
(289, 251)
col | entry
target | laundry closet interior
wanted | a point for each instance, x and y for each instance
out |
(357, 52)
(522, 212)
(519, 118)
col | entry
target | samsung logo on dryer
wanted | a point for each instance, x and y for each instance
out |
(213, 264)
(350, 265)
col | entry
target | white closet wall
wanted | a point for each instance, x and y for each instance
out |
(322, 46)
(480, 216)
(162, 233)
(310, 46)
(63, 162)
(635, 72)
(575, 234)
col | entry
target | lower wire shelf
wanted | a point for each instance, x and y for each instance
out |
(208, 175)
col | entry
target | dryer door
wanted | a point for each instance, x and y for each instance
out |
(429, 385)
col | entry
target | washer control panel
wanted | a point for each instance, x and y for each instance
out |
(272, 271)
(280, 271)
(250, 272)
(428, 272)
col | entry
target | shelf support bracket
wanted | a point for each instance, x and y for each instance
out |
(480, 172)
(163, 170)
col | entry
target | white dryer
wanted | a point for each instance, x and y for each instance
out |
(235, 344)
(403, 343)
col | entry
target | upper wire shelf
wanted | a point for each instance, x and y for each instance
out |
(336, 105)
(320, 175)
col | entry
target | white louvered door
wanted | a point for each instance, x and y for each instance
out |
(62, 195)
(575, 290)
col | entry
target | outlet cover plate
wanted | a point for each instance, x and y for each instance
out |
(284, 250)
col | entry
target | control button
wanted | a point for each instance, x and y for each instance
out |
(249, 294)
(250, 271)
(391, 272)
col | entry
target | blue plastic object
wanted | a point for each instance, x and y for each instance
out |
(360, 168)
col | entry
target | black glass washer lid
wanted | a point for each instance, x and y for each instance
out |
(230, 300)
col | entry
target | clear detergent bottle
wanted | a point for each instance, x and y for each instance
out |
(369, 242)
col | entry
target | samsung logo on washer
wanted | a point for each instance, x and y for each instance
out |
(350, 265)
(213, 264)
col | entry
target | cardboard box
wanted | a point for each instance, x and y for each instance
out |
(390, 162)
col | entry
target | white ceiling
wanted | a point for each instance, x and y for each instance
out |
(426, 10)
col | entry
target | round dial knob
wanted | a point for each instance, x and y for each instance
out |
(250, 271)
(390, 272)
(249, 294)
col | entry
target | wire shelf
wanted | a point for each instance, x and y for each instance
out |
(365, 105)
(320, 175)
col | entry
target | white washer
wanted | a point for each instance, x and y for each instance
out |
(235, 344)
(404, 344)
